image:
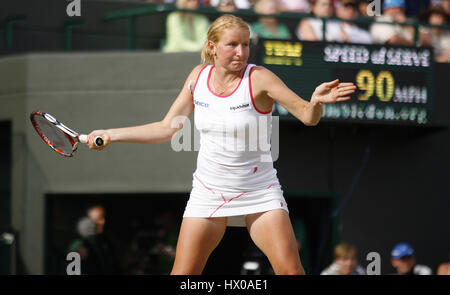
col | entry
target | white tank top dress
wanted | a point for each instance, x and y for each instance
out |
(235, 174)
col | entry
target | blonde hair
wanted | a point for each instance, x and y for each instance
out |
(345, 250)
(216, 30)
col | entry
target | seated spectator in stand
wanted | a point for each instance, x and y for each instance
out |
(404, 261)
(268, 27)
(226, 6)
(240, 4)
(437, 38)
(347, 31)
(345, 261)
(310, 29)
(98, 249)
(363, 7)
(444, 268)
(294, 6)
(446, 5)
(186, 31)
(395, 34)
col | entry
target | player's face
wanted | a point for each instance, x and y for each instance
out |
(232, 50)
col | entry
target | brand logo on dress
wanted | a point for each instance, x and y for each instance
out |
(200, 103)
(244, 105)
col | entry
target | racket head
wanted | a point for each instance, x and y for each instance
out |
(59, 137)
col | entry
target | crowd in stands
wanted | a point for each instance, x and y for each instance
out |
(402, 257)
(394, 25)
(153, 251)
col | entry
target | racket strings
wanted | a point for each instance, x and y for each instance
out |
(54, 137)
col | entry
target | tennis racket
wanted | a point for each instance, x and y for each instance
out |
(58, 136)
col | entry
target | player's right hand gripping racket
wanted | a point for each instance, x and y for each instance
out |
(58, 136)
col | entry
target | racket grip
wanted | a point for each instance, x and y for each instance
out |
(84, 138)
(98, 141)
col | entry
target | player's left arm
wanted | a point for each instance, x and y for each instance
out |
(266, 83)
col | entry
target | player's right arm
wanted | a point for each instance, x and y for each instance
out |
(156, 132)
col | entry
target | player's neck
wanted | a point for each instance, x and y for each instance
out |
(225, 76)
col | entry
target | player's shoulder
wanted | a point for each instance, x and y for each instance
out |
(262, 75)
(197, 69)
(193, 76)
(261, 72)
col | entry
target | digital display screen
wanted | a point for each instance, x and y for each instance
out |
(394, 84)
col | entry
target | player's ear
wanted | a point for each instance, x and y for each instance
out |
(212, 47)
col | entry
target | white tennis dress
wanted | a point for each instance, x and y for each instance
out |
(235, 174)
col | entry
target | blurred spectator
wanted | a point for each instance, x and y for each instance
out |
(240, 4)
(226, 6)
(294, 5)
(244, 4)
(395, 34)
(437, 38)
(185, 31)
(404, 261)
(268, 27)
(362, 6)
(97, 249)
(161, 1)
(345, 261)
(346, 31)
(446, 5)
(444, 268)
(310, 29)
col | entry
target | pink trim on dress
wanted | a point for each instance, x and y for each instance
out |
(210, 90)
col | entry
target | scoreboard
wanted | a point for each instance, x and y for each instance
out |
(394, 84)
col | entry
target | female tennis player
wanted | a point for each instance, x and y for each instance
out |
(232, 186)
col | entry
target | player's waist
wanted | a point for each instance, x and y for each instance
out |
(257, 175)
(240, 164)
(233, 183)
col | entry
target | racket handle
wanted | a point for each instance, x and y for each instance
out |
(84, 138)
(98, 141)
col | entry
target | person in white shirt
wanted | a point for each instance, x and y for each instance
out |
(295, 5)
(437, 38)
(346, 31)
(345, 261)
(240, 4)
(393, 34)
(310, 29)
(231, 185)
